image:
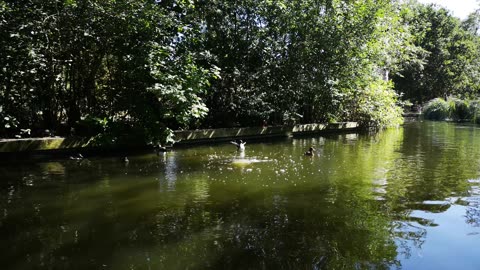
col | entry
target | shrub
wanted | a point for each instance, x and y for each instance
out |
(459, 109)
(437, 109)
(377, 106)
(474, 111)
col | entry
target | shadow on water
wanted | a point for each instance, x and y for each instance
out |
(361, 201)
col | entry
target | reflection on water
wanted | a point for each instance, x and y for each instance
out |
(406, 198)
(171, 171)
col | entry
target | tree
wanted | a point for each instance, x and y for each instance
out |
(100, 67)
(303, 59)
(440, 72)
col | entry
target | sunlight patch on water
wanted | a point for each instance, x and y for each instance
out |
(247, 161)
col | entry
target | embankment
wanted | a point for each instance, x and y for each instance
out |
(62, 146)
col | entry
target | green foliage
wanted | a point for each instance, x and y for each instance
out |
(306, 58)
(91, 126)
(451, 109)
(117, 68)
(437, 109)
(459, 109)
(376, 105)
(448, 61)
(474, 109)
(67, 63)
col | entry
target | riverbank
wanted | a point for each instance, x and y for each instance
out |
(52, 146)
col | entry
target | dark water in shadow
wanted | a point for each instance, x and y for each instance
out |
(406, 198)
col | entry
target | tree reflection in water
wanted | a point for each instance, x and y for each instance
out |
(363, 202)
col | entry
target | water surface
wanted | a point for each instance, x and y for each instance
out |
(407, 198)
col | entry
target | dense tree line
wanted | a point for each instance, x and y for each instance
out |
(449, 62)
(123, 69)
(100, 67)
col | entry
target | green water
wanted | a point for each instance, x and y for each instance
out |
(406, 198)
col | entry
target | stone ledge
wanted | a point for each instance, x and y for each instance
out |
(206, 135)
(182, 137)
(319, 128)
(40, 144)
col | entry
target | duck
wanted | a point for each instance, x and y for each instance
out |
(240, 145)
(310, 151)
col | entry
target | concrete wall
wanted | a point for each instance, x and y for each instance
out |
(39, 144)
(322, 128)
(224, 134)
(183, 137)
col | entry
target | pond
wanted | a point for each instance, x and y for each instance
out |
(406, 198)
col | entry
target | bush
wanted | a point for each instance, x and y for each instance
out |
(437, 109)
(376, 106)
(453, 108)
(90, 126)
(474, 111)
(459, 109)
